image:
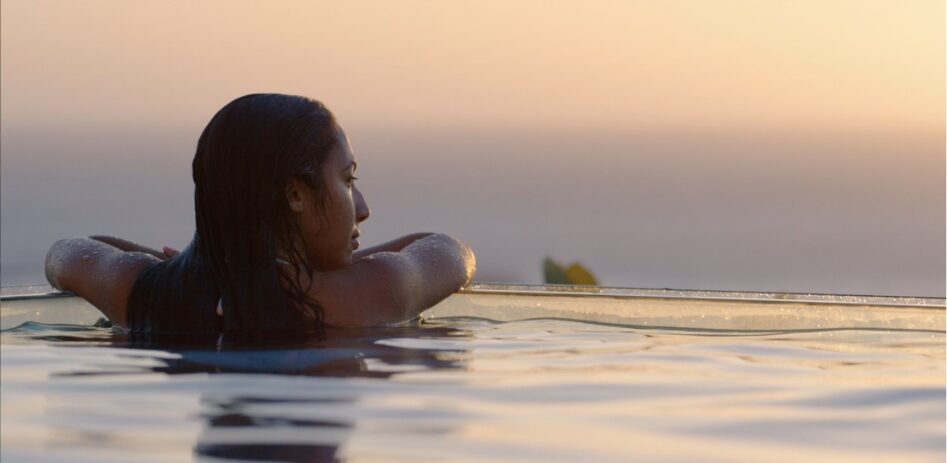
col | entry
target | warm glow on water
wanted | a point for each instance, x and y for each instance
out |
(471, 390)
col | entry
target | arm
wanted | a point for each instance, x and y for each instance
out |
(391, 287)
(130, 246)
(100, 273)
(394, 245)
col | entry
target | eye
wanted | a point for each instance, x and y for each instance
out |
(351, 180)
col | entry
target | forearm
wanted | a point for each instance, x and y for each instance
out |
(128, 246)
(395, 245)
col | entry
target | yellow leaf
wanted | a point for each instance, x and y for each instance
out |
(553, 273)
(575, 274)
(579, 275)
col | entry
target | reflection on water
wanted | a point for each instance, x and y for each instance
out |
(466, 389)
(259, 426)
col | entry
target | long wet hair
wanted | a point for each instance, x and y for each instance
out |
(246, 251)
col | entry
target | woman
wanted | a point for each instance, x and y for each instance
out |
(275, 250)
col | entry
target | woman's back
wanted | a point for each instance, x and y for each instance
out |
(277, 214)
(177, 295)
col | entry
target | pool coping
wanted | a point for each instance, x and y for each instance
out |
(13, 293)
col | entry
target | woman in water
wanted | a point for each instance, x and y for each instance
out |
(277, 215)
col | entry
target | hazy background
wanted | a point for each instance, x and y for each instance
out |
(754, 145)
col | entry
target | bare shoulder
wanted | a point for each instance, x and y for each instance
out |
(98, 272)
(391, 287)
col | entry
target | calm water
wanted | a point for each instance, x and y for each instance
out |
(466, 389)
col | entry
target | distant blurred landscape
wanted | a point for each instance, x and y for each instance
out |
(818, 213)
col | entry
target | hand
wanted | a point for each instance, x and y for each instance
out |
(169, 252)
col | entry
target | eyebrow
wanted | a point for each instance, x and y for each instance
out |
(353, 165)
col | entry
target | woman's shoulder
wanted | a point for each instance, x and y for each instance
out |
(394, 286)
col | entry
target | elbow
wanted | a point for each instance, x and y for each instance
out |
(429, 271)
(469, 264)
(57, 261)
(66, 260)
(452, 262)
(465, 262)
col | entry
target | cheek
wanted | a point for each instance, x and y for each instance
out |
(339, 217)
(341, 206)
(310, 226)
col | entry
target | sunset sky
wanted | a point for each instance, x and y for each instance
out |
(821, 64)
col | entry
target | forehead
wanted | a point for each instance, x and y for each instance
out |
(341, 155)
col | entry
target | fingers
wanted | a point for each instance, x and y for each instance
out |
(169, 252)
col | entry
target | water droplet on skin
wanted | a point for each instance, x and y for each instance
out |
(86, 258)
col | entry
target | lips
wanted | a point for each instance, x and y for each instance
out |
(355, 241)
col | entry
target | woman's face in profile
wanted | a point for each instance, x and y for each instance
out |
(329, 240)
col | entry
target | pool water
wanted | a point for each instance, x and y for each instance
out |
(458, 389)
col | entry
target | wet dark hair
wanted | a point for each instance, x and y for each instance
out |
(245, 158)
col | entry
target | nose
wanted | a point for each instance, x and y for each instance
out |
(361, 207)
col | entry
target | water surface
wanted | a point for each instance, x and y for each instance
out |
(467, 389)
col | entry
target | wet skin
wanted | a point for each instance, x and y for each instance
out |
(384, 284)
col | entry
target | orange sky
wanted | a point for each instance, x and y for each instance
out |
(520, 64)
